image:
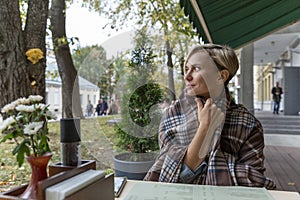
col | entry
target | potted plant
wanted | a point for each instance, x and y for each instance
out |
(140, 113)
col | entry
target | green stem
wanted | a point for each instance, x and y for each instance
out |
(33, 146)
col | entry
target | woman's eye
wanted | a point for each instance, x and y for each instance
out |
(186, 69)
(197, 69)
(192, 68)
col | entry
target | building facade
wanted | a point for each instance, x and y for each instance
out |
(88, 91)
(285, 71)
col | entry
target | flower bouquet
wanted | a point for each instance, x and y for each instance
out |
(26, 124)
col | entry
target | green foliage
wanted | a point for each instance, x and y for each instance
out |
(92, 64)
(52, 75)
(141, 102)
(139, 110)
(81, 57)
(138, 131)
(174, 31)
(165, 15)
(135, 144)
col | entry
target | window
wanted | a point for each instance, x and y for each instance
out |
(56, 97)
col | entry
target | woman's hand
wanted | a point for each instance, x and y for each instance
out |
(210, 118)
(209, 114)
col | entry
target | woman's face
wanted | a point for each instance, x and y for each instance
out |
(202, 77)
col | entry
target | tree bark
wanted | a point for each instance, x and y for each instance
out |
(67, 71)
(181, 63)
(16, 72)
(170, 65)
(35, 34)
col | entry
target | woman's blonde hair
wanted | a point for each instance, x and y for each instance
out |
(223, 56)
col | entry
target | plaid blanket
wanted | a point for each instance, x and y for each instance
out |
(236, 154)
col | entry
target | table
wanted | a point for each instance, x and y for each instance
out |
(128, 190)
(280, 195)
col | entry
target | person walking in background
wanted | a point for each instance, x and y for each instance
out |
(98, 107)
(89, 109)
(103, 107)
(113, 108)
(277, 92)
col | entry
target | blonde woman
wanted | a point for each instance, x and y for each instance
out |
(205, 137)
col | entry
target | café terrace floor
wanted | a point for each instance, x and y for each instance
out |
(282, 151)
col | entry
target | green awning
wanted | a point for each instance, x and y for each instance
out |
(239, 22)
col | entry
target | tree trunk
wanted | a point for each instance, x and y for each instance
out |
(16, 72)
(67, 71)
(181, 63)
(35, 33)
(170, 65)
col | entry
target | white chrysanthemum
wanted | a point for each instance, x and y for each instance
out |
(40, 106)
(8, 107)
(35, 98)
(23, 101)
(25, 108)
(16, 102)
(32, 128)
(7, 122)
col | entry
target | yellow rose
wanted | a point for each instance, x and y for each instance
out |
(34, 55)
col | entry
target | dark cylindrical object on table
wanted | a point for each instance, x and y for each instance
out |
(70, 141)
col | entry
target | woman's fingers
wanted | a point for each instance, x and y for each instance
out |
(199, 104)
(210, 113)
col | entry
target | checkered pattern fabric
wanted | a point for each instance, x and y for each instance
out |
(236, 157)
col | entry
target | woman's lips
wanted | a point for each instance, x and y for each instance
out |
(188, 86)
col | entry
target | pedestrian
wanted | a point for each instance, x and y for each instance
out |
(103, 107)
(277, 92)
(113, 108)
(205, 137)
(89, 108)
(98, 107)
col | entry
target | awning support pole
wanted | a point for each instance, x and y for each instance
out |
(201, 19)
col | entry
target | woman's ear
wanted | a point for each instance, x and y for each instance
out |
(224, 74)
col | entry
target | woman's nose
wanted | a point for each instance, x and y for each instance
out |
(188, 76)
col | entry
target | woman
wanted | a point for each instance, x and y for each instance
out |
(205, 137)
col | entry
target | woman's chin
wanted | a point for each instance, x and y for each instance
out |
(190, 93)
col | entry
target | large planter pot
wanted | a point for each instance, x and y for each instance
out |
(133, 165)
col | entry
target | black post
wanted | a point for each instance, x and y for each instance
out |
(70, 141)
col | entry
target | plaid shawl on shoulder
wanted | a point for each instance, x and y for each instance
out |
(235, 159)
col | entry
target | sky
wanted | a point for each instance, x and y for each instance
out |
(88, 27)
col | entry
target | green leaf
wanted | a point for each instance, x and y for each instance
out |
(21, 150)
(20, 146)
(7, 137)
(20, 158)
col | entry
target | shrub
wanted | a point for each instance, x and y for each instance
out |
(141, 97)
